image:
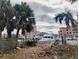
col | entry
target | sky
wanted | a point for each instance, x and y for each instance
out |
(46, 10)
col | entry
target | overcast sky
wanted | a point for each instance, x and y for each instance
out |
(45, 10)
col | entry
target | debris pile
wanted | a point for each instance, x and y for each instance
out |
(58, 51)
(45, 52)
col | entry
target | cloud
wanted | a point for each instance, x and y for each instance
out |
(45, 10)
(16, 1)
(45, 2)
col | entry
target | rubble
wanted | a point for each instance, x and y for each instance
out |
(45, 52)
(60, 50)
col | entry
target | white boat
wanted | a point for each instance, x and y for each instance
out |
(47, 39)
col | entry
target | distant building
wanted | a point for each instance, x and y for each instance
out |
(70, 33)
(29, 34)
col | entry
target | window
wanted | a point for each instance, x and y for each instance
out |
(60, 31)
(76, 32)
(45, 37)
(70, 32)
(48, 37)
(66, 29)
(67, 32)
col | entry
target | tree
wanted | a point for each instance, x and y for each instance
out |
(2, 22)
(7, 12)
(67, 17)
(25, 18)
(21, 12)
(2, 25)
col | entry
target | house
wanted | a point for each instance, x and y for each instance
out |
(69, 33)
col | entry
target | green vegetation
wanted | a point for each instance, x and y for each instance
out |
(24, 17)
(19, 16)
(67, 17)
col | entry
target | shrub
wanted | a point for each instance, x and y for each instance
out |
(31, 43)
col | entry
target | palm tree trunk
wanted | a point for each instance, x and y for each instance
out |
(0, 34)
(9, 33)
(8, 28)
(25, 34)
(62, 40)
(17, 32)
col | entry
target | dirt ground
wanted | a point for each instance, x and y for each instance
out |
(43, 52)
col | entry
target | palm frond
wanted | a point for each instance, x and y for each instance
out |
(59, 18)
(67, 17)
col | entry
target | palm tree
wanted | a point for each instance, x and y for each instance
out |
(6, 14)
(22, 12)
(67, 17)
(24, 20)
(2, 25)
